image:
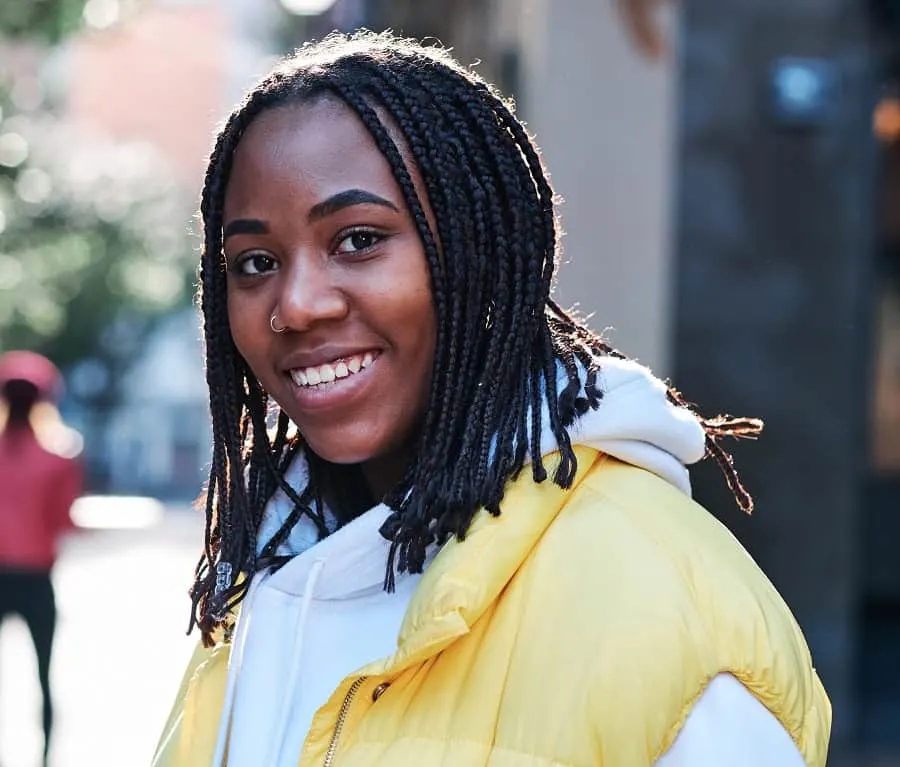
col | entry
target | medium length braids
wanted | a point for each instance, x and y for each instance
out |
(500, 336)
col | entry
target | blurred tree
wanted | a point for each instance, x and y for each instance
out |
(93, 237)
(93, 244)
(45, 20)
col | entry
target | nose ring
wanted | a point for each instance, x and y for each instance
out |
(275, 328)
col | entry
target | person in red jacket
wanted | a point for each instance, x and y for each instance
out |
(40, 478)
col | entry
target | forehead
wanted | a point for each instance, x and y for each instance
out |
(321, 145)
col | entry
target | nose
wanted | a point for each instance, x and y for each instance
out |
(309, 294)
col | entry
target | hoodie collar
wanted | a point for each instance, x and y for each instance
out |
(638, 424)
(635, 422)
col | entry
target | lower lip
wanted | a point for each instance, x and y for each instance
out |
(338, 393)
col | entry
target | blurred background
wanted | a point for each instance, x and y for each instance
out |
(730, 171)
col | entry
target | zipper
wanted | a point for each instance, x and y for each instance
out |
(342, 716)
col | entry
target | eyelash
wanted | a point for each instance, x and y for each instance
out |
(239, 264)
(377, 238)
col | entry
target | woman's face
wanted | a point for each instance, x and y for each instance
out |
(317, 233)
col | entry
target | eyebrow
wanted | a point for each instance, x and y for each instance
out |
(347, 199)
(245, 226)
(333, 204)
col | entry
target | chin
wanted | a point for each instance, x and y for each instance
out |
(342, 451)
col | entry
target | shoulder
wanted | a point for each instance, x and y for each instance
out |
(650, 597)
(625, 527)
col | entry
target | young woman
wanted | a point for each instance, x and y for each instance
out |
(40, 478)
(446, 524)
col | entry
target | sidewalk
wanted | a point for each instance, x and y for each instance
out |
(120, 647)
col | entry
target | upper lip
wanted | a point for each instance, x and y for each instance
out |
(311, 358)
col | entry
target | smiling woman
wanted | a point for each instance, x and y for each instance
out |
(320, 246)
(388, 575)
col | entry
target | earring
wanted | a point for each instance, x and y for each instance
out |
(273, 326)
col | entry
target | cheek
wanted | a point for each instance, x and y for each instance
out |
(237, 327)
(407, 317)
(244, 333)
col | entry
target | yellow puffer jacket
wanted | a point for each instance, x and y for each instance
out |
(578, 628)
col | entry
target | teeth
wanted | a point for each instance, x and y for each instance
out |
(328, 373)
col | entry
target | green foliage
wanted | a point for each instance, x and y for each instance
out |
(93, 238)
(93, 244)
(41, 20)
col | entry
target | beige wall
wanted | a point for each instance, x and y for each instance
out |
(604, 119)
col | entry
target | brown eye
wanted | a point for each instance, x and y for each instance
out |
(255, 264)
(359, 241)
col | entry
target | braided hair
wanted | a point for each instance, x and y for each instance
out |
(491, 260)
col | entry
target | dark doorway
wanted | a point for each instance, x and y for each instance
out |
(879, 646)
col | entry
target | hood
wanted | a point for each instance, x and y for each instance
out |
(635, 422)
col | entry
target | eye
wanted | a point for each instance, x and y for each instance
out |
(358, 241)
(255, 264)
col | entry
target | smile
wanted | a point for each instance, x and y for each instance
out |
(322, 376)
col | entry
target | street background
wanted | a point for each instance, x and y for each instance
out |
(729, 175)
(120, 647)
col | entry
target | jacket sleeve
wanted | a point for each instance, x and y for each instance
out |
(728, 725)
(188, 738)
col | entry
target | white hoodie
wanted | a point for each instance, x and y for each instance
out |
(325, 614)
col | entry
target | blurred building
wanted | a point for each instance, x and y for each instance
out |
(786, 296)
(162, 72)
(158, 443)
(166, 71)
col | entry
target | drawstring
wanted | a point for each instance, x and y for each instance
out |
(234, 667)
(296, 661)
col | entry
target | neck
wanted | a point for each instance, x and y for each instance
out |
(342, 488)
(383, 473)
